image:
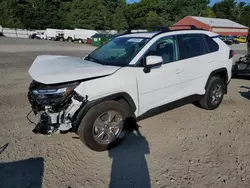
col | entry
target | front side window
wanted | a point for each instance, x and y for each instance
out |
(118, 52)
(165, 47)
(193, 45)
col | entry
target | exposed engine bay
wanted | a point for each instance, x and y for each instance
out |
(56, 105)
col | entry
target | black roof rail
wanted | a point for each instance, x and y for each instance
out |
(191, 26)
(161, 29)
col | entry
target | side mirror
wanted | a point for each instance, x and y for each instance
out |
(152, 61)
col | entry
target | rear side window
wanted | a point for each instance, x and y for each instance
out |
(212, 45)
(192, 45)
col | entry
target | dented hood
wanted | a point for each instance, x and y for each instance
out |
(49, 69)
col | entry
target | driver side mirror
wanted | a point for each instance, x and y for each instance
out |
(152, 61)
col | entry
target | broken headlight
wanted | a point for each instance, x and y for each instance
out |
(54, 91)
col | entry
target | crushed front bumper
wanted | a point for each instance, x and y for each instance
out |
(56, 114)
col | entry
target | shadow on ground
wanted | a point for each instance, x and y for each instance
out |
(22, 174)
(245, 94)
(129, 165)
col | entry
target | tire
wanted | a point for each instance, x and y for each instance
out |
(70, 39)
(61, 40)
(207, 102)
(80, 41)
(86, 129)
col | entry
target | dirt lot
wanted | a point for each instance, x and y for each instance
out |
(185, 147)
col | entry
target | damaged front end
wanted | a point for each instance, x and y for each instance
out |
(56, 105)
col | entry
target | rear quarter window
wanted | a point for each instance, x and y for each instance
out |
(212, 45)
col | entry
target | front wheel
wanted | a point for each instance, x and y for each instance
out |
(214, 94)
(103, 127)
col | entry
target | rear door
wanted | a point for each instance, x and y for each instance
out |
(197, 62)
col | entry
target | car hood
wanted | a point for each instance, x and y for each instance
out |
(50, 69)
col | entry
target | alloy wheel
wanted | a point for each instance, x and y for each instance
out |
(107, 127)
(216, 94)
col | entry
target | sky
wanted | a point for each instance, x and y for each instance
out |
(211, 1)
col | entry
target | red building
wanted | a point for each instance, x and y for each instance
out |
(223, 27)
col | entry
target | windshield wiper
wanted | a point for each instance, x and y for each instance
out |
(96, 60)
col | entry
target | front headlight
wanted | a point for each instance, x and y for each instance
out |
(56, 91)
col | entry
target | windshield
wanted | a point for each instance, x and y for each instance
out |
(118, 52)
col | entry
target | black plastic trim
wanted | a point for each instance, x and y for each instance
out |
(217, 71)
(89, 104)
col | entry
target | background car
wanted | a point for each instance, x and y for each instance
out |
(226, 40)
(241, 39)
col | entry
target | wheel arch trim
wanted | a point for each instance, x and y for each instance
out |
(221, 70)
(83, 111)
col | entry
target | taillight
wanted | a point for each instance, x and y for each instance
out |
(231, 54)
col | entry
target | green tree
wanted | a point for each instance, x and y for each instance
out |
(225, 9)
(119, 21)
(154, 20)
(208, 12)
(245, 16)
(135, 15)
(113, 14)
(116, 14)
(39, 14)
(8, 14)
(230, 9)
(88, 14)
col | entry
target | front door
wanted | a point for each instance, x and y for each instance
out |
(162, 84)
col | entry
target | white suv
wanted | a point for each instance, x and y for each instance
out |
(97, 96)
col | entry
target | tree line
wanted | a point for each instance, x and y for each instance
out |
(113, 14)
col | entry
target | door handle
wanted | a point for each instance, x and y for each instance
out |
(178, 71)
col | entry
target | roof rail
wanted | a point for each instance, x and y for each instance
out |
(162, 29)
(191, 26)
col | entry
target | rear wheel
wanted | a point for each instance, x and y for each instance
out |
(214, 94)
(103, 127)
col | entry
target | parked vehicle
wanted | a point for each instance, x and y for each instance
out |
(82, 35)
(53, 34)
(232, 39)
(36, 36)
(79, 35)
(40, 35)
(241, 39)
(32, 36)
(226, 40)
(125, 78)
(69, 35)
(60, 37)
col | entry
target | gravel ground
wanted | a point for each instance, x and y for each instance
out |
(185, 147)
